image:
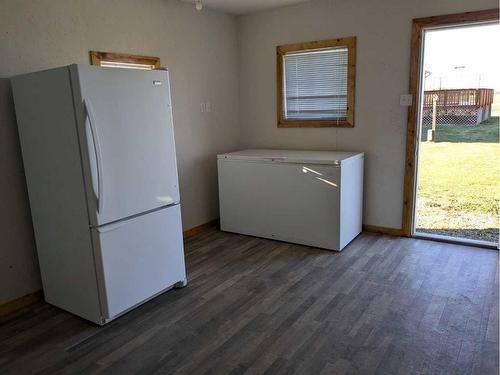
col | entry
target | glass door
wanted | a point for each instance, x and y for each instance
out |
(458, 180)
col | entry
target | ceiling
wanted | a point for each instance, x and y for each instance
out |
(245, 6)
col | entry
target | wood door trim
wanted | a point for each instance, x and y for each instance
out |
(419, 24)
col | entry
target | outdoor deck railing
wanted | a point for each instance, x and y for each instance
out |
(459, 98)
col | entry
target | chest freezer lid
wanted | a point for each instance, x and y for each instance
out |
(293, 156)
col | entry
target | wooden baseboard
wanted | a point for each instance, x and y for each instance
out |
(200, 228)
(366, 227)
(383, 230)
(20, 303)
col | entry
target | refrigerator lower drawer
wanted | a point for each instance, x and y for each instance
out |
(139, 258)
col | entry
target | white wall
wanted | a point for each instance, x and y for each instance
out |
(383, 30)
(200, 50)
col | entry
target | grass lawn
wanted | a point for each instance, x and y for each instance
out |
(458, 182)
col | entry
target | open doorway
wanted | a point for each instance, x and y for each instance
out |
(457, 183)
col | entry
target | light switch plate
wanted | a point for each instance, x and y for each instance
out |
(405, 100)
(205, 107)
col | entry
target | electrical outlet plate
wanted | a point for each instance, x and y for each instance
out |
(205, 107)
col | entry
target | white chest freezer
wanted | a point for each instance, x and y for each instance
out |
(313, 198)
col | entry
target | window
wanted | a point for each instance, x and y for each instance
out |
(315, 83)
(122, 60)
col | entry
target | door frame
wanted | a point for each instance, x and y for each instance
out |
(418, 27)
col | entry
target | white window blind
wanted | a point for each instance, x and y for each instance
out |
(315, 84)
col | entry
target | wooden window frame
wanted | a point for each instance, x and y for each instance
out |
(350, 43)
(418, 26)
(96, 57)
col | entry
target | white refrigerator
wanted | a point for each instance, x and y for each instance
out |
(99, 157)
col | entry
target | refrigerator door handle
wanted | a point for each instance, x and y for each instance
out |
(97, 150)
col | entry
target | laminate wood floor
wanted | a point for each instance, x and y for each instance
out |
(384, 305)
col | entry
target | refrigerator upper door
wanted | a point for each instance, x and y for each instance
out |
(129, 138)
